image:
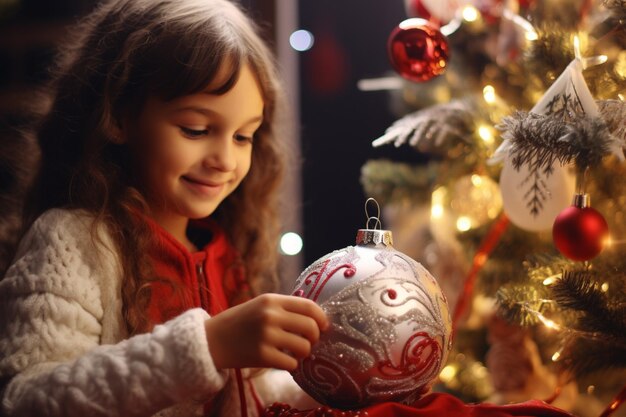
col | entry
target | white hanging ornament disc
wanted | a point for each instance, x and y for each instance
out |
(533, 198)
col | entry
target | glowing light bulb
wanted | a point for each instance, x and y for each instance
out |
(437, 199)
(463, 224)
(291, 243)
(531, 36)
(485, 134)
(436, 211)
(547, 322)
(477, 180)
(470, 14)
(448, 373)
(551, 280)
(301, 40)
(489, 93)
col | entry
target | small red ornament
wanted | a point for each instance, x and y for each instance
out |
(580, 231)
(418, 51)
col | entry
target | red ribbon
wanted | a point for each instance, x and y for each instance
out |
(480, 258)
(617, 401)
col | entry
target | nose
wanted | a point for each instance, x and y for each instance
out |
(221, 154)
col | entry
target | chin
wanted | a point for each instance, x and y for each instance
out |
(200, 214)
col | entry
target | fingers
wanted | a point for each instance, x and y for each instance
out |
(276, 358)
(293, 344)
(306, 307)
(271, 330)
(301, 325)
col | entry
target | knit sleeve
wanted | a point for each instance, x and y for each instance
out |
(51, 360)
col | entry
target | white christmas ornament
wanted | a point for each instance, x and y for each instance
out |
(533, 196)
(532, 199)
(390, 330)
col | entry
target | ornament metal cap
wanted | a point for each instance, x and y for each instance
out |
(374, 237)
(581, 201)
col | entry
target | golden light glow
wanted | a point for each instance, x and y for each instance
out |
(551, 280)
(604, 287)
(448, 373)
(470, 14)
(480, 371)
(437, 199)
(547, 322)
(621, 96)
(577, 45)
(474, 200)
(436, 211)
(489, 93)
(531, 36)
(556, 356)
(463, 224)
(620, 64)
(485, 134)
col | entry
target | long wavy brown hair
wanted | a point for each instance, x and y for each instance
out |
(122, 53)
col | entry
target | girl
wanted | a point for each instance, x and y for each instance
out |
(153, 211)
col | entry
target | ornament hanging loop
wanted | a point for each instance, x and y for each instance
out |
(376, 218)
(587, 62)
(373, 236)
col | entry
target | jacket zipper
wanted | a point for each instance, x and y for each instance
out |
(202, 285)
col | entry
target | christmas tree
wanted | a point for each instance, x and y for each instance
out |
(519, 211)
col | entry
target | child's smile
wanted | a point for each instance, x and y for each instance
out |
(204, 187)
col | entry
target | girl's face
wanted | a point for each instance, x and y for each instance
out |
(193, 151)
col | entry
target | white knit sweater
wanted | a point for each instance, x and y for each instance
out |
(63, 347)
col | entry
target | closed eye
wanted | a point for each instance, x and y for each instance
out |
(194, 133)
(244, 138)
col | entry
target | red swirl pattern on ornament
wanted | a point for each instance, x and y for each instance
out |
(421, 358)
(332, 383)
(319, 276)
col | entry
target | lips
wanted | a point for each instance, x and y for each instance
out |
(206, 183)
(203, 187)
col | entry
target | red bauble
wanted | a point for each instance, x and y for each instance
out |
(418, 51)
(580, 233)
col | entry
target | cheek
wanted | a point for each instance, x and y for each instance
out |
(245, 163)
(160, 161)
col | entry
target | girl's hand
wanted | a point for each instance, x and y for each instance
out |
(269, 331)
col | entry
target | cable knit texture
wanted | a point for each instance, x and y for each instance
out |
(64, 351)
